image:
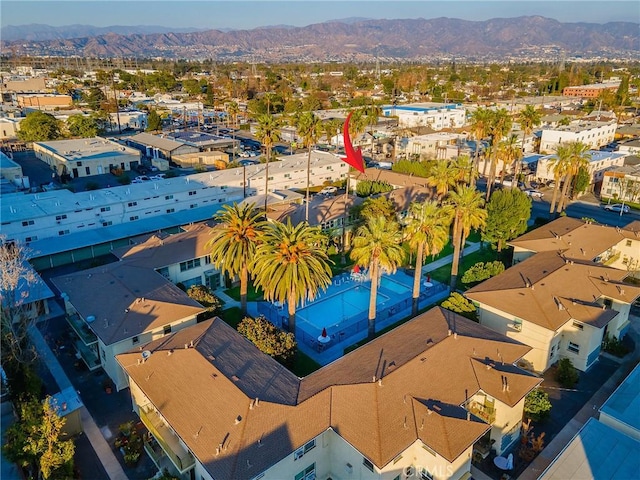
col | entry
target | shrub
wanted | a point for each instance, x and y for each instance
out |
(614, 346)
(566, 373)
(417, 168)
(269, 339)
(368, 187)
(482, 271)
(170, 174)
(92, 186)
(459, 304)
(537, 405)
(124, 179)
(203, 295)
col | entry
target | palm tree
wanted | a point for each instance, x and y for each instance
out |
(232, 110)
(469, 213)
(377, 245)
(268, 132)
(358, 123)
(579, 157)
(330, 128)
(509, 152)
(233, 245)
(443, 175)
(499, 127)
(291, 264)
(559, 165)
(465, 170)
(308, 126)
(427, 229)
(480, 120)
(528, 118)
(372, 112)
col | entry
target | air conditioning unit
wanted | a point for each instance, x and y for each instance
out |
(408, 471)
(349, 468)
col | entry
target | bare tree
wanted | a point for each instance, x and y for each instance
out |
(16, 279)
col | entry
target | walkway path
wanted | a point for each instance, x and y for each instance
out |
(91, 430)
(591, 409)
(446, 260)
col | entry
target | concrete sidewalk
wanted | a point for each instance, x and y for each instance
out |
(429, 267)
(590, 409)
(89, 427)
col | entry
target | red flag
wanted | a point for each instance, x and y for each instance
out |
(354, 157)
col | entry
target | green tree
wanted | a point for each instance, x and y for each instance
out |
(154, 122)
(427, 228)
(537, 405)
(508, 212)
(34, 441)
(460, 304)
(582, 180)
(579, 157)
(39, 127)
(566, 374)
(83, 126)
(480, 123)
(377, 245)
(365, 188)
(94, 98)
(234, 242)
(203, 295)
(482, 271)
(377, 206)
(559, 165)
(268, 132)
(499, 127)
(469, 213)
(291, 264)
(308, 127)
(269, 339)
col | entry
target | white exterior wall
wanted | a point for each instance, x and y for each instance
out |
(589, 339)
(506, 427)
(629, 191)
(108, 352)
(520, 254)
(175, 275)
(544, 170)
(436, 118)
(593, 135)
(538, 338)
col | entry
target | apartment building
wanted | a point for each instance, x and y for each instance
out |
(599, 163)
(440, 146)
(85, 157)
(420, 400)
(592, 90)
(593, 134)
(434, 115)
(622, 183)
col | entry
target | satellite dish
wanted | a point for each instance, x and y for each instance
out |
(146, 354)
(91, 318)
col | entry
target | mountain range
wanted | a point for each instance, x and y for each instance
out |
(350, 39)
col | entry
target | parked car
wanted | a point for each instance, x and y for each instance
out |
(534, 193)
(617, 208)
(142, 178)
(328, 191)
(159, 176)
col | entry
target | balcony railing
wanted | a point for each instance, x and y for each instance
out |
(611, 259)
(82, 329)
(179, 456)
(485, 412)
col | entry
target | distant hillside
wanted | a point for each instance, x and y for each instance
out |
(361, 40)
(37, 32)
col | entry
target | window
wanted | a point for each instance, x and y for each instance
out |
(207, 260)
(573, 347)
(608, 302)
(79, 164)
(577, 325)
(106, 224)
(171, 210)
(310, 446)
(31, 239)
(189, 264)
(135, 340)
(308, 473)
(629, 242)
(192, 192)
(63, 232)
(87, 170)
(168, 197)
(167, 329)
(27, 223)
(135, 217)
(367, 463)
(164, 271)
(60, 217)
(425, 475)
(132, 204)
(105, 209)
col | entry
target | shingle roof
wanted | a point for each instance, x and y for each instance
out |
(393, 178)
(156, 141)
(195, 391)
(555, 290)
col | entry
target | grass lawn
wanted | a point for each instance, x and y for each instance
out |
(253, 295)
(443, 274)
(233, 316)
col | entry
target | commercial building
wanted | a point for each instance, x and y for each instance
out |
(593, 134)
(85, 157)
(592, 90)
(434, 115)
(420, 400)
(45, 102)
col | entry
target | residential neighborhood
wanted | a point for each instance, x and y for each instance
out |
(320, 260)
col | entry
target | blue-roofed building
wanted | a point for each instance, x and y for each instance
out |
(622, 410)
(434, 115)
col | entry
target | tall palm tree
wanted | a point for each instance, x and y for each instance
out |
(480, 120)
(427, 230)
(443, 175)
(469, 213)
(233, 245)
(330, 128)
(559, 165)
(358, 123)
(268, 132)
(372, 112)
(529, 118)
(377, 245)
(465, 170)
(291, 264)
(233, 109)
(499, 127)
(509, 152)
(308, 127)
(579, 157)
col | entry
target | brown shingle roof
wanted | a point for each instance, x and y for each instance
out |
(136, 300)
(555, 289)
(392, 178)
(321, 209)
(195, 391)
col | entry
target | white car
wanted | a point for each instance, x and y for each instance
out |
(617, 207)
(142, 178)
(159, 176)
(534, 193)
(328, 190)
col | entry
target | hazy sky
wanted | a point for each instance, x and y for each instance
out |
(250, 14)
